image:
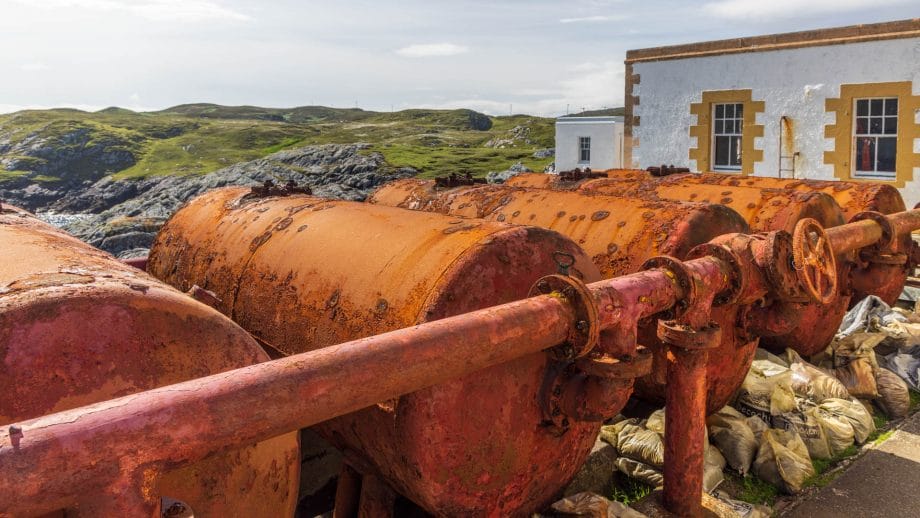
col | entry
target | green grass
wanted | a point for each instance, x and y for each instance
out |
(435, 161)
(630, 491)
(914, 400)
(201, 138)
(753, 490)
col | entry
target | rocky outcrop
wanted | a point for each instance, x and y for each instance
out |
(123, 216)
(502, 176)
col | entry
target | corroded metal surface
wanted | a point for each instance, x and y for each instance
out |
(619, 234)
(869, 277)
(765, 209)
(77, 326)
(304, 273)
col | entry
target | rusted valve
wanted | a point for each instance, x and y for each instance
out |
(815, 265)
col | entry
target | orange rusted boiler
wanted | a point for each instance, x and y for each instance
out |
(620, 235)
(764, 209)
(79, 327)
(303, 273)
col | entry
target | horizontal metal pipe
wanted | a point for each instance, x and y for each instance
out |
(853, 236)
(55, 458)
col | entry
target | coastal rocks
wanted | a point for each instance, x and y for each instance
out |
(502, 176)
(123, 216)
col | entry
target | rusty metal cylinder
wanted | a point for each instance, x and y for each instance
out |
(619, 234)
(883, 275)
(765, 210)
(303, 273)
(78, 327)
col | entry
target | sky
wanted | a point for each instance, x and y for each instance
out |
(539, 57)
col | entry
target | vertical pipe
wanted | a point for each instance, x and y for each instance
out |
(685, 422)
(347, 493)
(377, 499)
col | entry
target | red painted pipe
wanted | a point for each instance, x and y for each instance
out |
(46, 463)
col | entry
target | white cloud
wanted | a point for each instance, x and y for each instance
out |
(425, 50)
(777, 9)
(155, 10)
(597, 18)
(33, 67)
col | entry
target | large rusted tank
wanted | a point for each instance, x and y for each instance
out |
(303, 273)
(881, 274)
(78, 327)
(765, 210)
(619, 234)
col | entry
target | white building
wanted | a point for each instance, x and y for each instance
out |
(589, 142)
(829, 104)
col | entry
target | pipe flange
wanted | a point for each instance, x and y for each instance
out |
(626, 367)
(552, 392)
(780, 267)
(586, 332)
(677, 272)
(684, 336)
(889, 236)
(736, 282)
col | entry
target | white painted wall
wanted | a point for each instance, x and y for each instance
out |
(606, 142)
(793, 82)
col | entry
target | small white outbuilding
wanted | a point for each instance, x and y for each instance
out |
(828, 104)
(589, 143)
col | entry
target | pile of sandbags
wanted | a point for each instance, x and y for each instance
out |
(640, 446)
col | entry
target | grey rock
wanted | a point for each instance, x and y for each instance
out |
(123, 216)
(544, 153)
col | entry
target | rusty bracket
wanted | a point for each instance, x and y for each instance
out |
(456, 180)
(268, 188)
(607, 366)
(665, 170)
(674, 333)
(584, 335)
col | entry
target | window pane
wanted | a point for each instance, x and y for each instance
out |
(719, 126)
(875, 125)
(876, 107)
(720, 110)
(865, 153)
(729, 111)
(891, 106)
(862, 107)
(887, 152)
(891, 125)
(862, 124)
(739, 110)
(736, 151)
(722, 151)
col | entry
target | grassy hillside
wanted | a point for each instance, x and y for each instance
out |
(68, 145)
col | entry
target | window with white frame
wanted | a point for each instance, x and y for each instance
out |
(727, 122)
(875, 137)
(584, 150)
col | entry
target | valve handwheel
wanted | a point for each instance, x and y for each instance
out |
(815, 265)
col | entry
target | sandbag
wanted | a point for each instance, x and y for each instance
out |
(859, 418)
(854, 363)
(906, 364)
(609, 433)
(894, 395)
(713, 466)
(783, 461)
(594, 506)
(858, 378)
(655, 422)
(809, 429)
(837, 430)
(810, 382)
(640, 444)
(743, 509)
(729, 431)
(766, 391)
(639, 471)
(758, 426)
